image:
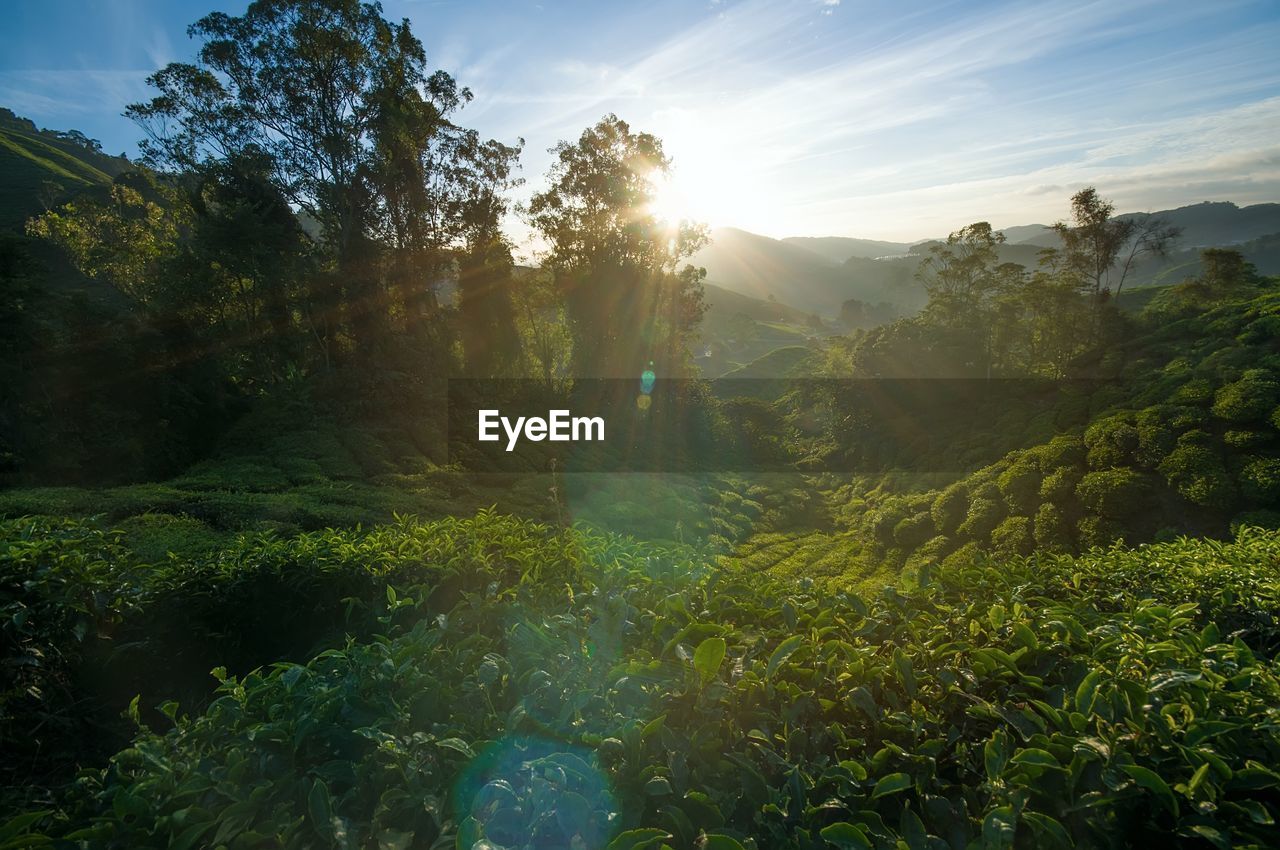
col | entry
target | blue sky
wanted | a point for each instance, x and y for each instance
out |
(891, 120)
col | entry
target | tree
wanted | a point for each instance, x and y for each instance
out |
(341, 104)
(1101, 250)
(967, 286)
(613, 261)
(486, 309)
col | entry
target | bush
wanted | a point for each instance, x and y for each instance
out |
(914, 530)
(981, 519)
(1260, 481)
(1114, 493)
(1013, 536)
(949, 509)
(1098, 532)
(1059, 486)
(1156, 437)
(1197, 473)
(1051, 529)
(1249, 399)
(1020, 485)
(1111, 441)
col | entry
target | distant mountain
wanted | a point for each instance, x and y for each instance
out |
(758, 266)
(840, 248)
(40, 167)
(1207, 224)
(1219, 223)
(1027, 232)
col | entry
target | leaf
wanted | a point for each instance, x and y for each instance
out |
(20, 824)
(657, 786)
(1047, 826)
(782, 653)
(845, 834)
(891, 784)
(457, 745)
(1197, 779)
(638, 839)
(998, 828)
(708, 657)
(1085, 692)
(1034, 757)
(1151, 781)
(320, 809)
(720, 841)
(995, 754)
(913, 831)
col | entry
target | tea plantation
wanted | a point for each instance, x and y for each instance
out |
(490, 682)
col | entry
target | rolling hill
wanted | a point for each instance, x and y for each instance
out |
(39, 167)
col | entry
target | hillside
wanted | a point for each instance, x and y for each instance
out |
(40, 168)
(840, 248)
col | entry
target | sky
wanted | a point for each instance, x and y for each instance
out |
(888, 120)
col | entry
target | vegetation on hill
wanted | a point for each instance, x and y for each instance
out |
(977, 546)
(625, 696)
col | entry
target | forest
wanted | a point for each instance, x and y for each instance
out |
(971, 545)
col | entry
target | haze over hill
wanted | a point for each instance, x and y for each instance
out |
(819, 274)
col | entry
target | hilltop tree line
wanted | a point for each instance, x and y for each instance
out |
(309, 201)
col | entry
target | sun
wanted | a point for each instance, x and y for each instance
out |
(669, 202)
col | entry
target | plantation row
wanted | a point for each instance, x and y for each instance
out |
(1188, 442)
(491, 682)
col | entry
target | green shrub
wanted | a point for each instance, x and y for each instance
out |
(1052, 530)
(1249, 399)
(1114, 493)
(1098, 531)
(1020, 485)
(981, 518)
(1111, 441)
(1059, 486)
(914, 530)
(1013, 536)
(1260, 481)
(1198, 474)
(949, 509)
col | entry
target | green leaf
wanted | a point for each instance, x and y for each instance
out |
(891, 784)
(720, 841)
(845, 834)
(1086, 691)
(913, 831)
(782, 653)
(707, 658)
(1047, 826)
(995, 754)
(1151, 781)
(1197, 779)
(998, 828)
(1034, 757)
(20, 824)
(657, 786)
(457, 745)
(320, 809)
(638, 839)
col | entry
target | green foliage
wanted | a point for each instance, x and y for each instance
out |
(1250, 399)
(1111, 441)
(623, 695)
(1020, 485)
(1198, 474)
(1013, 536)
(1114, 493)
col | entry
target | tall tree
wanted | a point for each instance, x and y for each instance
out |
(614, 262)
(339, 101)
(1101, 250)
